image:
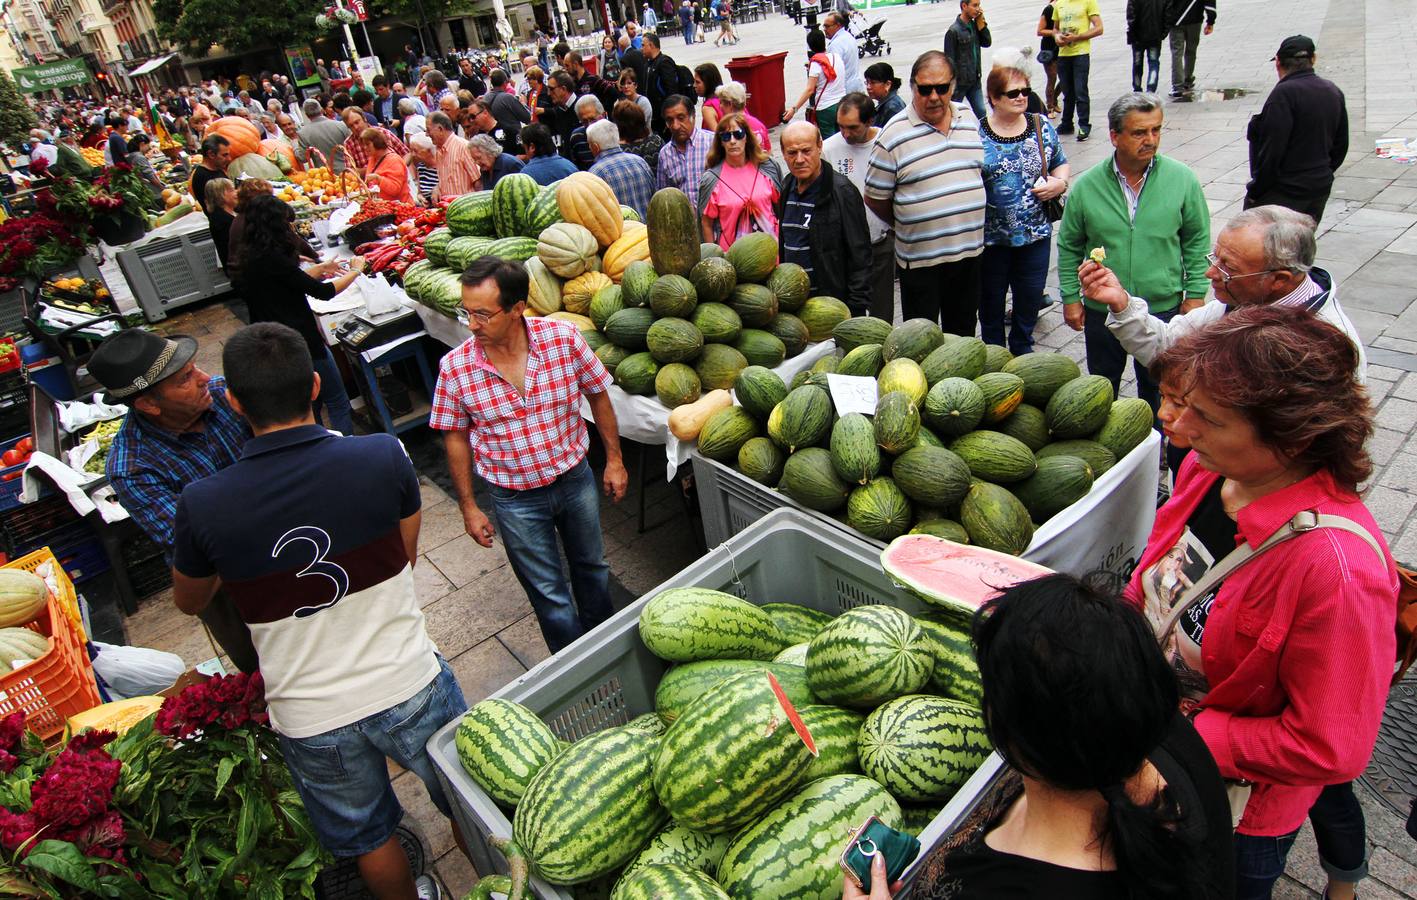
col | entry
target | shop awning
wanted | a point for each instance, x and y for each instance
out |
(151, 64)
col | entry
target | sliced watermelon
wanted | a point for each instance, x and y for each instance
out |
(955, 576)
(797, 724)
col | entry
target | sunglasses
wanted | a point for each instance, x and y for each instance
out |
(926, 90)
(737, 134)
(1015, 93)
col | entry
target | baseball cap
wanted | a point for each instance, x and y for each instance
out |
(1295, 47)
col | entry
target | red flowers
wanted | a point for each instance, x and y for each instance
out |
(228, 701)
(12, 730)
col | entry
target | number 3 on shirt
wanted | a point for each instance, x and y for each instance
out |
(318, 565)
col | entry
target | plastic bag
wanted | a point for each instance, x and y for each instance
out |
(136, 671)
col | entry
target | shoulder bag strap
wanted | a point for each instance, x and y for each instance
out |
(1038, 136)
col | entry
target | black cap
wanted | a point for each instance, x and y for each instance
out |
(133, 360)
(1295, 47)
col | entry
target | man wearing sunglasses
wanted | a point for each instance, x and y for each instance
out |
(508, 401)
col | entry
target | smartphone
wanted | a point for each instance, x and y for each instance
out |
(873, 838)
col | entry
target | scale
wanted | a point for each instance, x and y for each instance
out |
(363, 330)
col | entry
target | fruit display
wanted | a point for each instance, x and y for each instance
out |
(93, 156)
(22, 596)
(322, 184)
(965, 441)
(758, 780)
(101, 434)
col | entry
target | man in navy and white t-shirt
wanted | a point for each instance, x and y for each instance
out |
(313, 537)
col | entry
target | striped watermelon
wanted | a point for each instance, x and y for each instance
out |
(791, 853)
(689, 623)
(682, 846)
(918, 818)
(798, 623)
(502, 745)
(730, 756)
(923, 748)
(796, 655)
(471, 215)
(835, 732)
(685, 683)
(511, 202)
(589, 810)
(955, 675)
(649, 723)
(661, 882)
(515, 248)
(542, 214)
(868, 655)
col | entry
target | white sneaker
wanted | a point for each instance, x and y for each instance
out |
(428, 888)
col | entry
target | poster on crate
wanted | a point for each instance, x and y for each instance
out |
(301, 61)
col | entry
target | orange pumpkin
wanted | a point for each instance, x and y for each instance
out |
(243, 136)
(272, 145)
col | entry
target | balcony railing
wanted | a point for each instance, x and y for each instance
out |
(89, 23)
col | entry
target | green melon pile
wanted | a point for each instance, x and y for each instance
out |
(966, 442)
(716, 793)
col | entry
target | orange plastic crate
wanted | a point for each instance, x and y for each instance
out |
(60, 683)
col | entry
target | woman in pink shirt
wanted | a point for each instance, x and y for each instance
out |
(1285, 666)
(707, 80)
(740, 186)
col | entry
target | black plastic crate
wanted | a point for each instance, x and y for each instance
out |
(31, 521)
(149, 577)
(76, 547)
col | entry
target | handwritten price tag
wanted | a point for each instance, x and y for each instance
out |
(853, 394)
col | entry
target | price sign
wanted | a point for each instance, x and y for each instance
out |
(853, 394)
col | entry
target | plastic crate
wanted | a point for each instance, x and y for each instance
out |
(76, 547)
(608, 677)
(12, 480)
(60, 683)
(30, 522)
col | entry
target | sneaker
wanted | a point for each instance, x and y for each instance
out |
(428, 888)
(1083, 134)
(1065, 128)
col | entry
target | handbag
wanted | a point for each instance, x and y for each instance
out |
(1052, 208)
(1046, 57)
(1237, 791)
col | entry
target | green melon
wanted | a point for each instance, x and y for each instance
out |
(636, 283)
(674, 232)
(1042, 374)
(913, 339)
(672, 295)
(995, 457)
(1128, 424)
(806, 417)
(725, 432)
(753, 256)
(868, 655)
(676, 384)
(809, 477)
(1059, 482)
(1080, 407)
(636, 373)
(897, 422)
(607, 301)
(948, 529)
(821, 315)
(1028, 424)
(760, 348)
(758, 390)
(611, 355)
(995, 358)
(718, 323)
(932, 476)
(754, 304)
(710, 250)
(903, 374)
(690, 624)
(629, 328)
(791, 284)
(879, 509)
(674, 340)
(713, 279)
(791, 331)
(1098, 458)
(954, 406)
(995, 519)
(761, 460)
(858, 330)
(960, 358)
(718, 366)
(854, 453)
(825, 365)
(1002, 395)
(864, 361)
(923, 748)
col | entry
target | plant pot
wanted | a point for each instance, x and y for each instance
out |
(123, 228)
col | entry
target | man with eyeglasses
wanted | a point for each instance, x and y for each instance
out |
(849, 152)
(508, 401)
(1263, 255)
(925, 179)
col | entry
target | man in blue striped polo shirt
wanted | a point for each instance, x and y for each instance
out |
(925, 179)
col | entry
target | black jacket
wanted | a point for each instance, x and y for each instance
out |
(1189, 12)
(661, 80)
(604, 91)
(560, 121)
(841, 242)
(963, 50)
(1299, 138)
(1147, 23)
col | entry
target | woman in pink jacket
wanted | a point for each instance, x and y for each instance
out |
(1285, 667)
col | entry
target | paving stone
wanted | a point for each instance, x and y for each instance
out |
(462, 559)
(1398, 414)
(485, 669)
(440, 524)
(523, 638)
(476, 612)
(429, 583)
(1407, 388)
(1384, 443)
(456, 872)
(431, 825)
(1389, 506)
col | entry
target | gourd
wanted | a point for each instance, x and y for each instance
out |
(686, 421)
(588, 200)
(242, 136)
(566, 249)
(632, 244)
(20, 644)
(22, 596)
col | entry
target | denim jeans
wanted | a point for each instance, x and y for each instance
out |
(1184, 39)
(1341, 833)
(975, 96)
(333, 398)
(1152, 58)
(947, 293)
(1105, 356)
(529, 522)
(1024, 270)
(1259, 861)
(1072, 81)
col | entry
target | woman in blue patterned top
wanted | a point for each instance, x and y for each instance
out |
(1016, 228)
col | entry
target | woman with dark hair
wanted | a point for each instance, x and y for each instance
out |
(707, 80)
(1109, 791)
(1284, 664)
(826, 85)
(277, 290)
(635, 136)
(220, 207)
(630, 86)
(739, 188)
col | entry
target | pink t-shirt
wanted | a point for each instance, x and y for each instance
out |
(714, 104)
(742, 202)
(761, 130)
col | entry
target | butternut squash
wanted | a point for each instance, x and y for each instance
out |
(686, 421)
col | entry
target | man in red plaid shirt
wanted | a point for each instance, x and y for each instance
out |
(509, 401)
(354, 148)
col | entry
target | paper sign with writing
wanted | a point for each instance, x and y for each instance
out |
(853, 394)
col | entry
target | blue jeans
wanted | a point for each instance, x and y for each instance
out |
(1105, 356)
(975, 96)
(1072, 81)
(1152, 58)
(529, 522)
(343, 775)
(1259, 861)
(333, 398)
(1024, 269)
(1341, 833)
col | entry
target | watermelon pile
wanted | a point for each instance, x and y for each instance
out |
(967, 442)
(754, 770)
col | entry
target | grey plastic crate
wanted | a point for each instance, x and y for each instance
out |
(608, 677)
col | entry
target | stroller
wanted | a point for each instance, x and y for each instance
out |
(869, 40)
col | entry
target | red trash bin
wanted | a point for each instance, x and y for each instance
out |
(761, 74)
(592, 64)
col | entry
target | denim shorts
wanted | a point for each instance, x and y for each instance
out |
(343, 776)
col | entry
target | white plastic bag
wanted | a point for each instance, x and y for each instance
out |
(136, 671)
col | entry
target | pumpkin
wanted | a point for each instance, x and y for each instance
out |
(118, 716)
(272, 148)
(633, 244)
(588, 200)
(543, 288)
(22, 596)
(243, 136)
(577, 293)
(686, 421)
(567, 249)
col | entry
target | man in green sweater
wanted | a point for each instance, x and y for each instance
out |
(1147, 213)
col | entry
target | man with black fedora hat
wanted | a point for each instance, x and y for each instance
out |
(179, 428)
(1300, 136)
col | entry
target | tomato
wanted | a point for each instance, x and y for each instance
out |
(11, 457)
(25, 445)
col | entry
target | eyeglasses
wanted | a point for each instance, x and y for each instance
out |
(1226, 277)
(737, 134)
(465, 318)
(926, 90)
(1015, 93)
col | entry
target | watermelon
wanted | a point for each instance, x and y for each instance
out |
(854, 453)
(1128, 424)
(995, 457)
(1098, 458)
(637, 281)
(673, 295)
(606, 301)
(649, 723)
(753, 256)
(673, 232)
(809, 477)
(676, 384)
(868, 655)
(915, 819)
(858, 330)
(636, 374)
(713, 279)
(758, 390)
(796, 655)
(1028, 424)
(760, 348)
(897, 422)
(1002, 395)
(903, 374)
(502, 745)
(806, 417)
(516, 248)
(954, 406)
(948, 529)
(591, 808)
(688, 624)
(544, 212)
(798, 623)
(718, 366)
(435, 245)
(674, 340)
(755, 304)
(879, 510)
(761, 460)
(511, 201)
(791, 331)
(913, 339)
(659, 880)
(629, 328)
(995, 519)
(1079, 408)
(731, 756)
(950, 575)
(471, 215)
(864, 361)
(718, 323)
(791, 853)
(684, 684)
(834, 730)
(960, 358)
(461, 251)
(821, 315)
(725, 432)
(931, 476)
(923, 748)
(1059, 482)
(791, 284)
(1042, 374)
(681, 846)
(955, 676)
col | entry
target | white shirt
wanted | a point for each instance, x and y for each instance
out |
(412, 125)
(844, 46)
(850, 160)
(1133, 196)
(828, 93)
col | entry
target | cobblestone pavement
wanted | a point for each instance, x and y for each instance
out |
(478, 614)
